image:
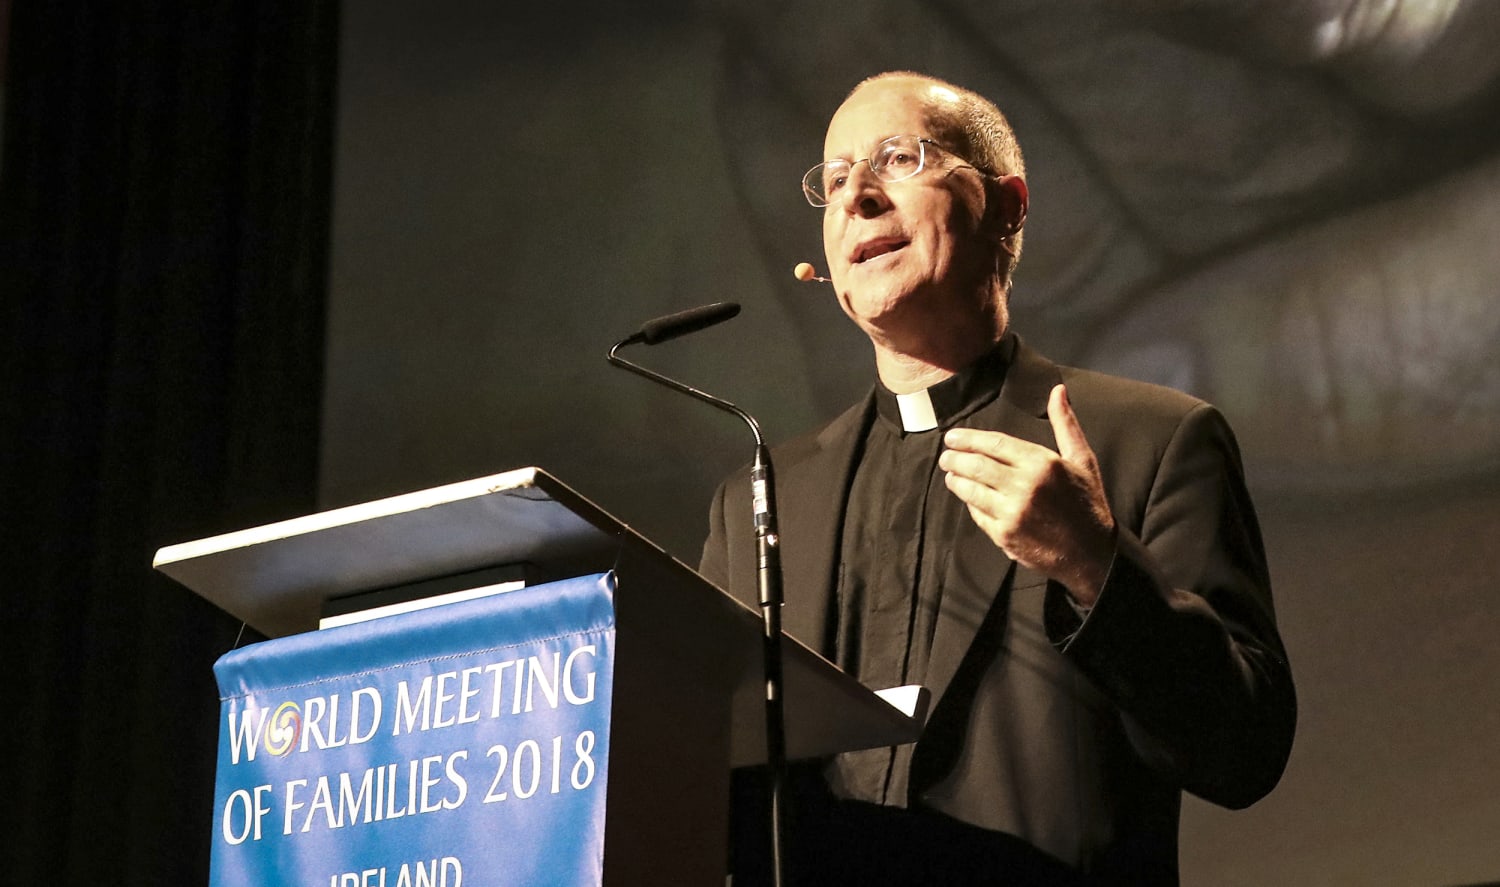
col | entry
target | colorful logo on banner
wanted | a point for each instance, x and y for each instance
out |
(462, 746)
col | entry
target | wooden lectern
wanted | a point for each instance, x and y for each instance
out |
(688, 702)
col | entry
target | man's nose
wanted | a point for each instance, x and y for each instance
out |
(864, 193)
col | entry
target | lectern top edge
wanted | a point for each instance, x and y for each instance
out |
(276, 577)
(351, 514)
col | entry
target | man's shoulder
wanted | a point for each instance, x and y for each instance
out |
(807, 450)
(834, 433)
(1091, 389)
(1102, 399)
(1133, 425)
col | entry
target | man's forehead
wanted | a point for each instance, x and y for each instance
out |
(888, 107)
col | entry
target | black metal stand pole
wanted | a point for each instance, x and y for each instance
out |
(768, 576)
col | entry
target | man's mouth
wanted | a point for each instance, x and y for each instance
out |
(877, 247)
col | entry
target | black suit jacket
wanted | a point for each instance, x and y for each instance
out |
(1075, 737)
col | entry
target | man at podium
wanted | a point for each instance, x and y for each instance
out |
(1070, 562)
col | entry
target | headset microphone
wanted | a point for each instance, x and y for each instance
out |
(805, 273)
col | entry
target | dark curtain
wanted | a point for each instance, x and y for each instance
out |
(164, 206)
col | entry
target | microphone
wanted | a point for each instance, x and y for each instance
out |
(663, 329)
(767, 543)
(806, 273)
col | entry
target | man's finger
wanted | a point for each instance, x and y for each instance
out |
(978, 467)
(1071, 444)
(985, 505)
(996, 444)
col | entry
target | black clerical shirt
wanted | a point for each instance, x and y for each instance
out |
(897, 543)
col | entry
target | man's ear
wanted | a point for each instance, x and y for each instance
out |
(1009, 200)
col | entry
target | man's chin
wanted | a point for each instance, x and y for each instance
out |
(876, 306)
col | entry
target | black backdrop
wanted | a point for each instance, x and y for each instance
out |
(165, 195)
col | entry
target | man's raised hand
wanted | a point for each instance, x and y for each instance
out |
(1047, 510)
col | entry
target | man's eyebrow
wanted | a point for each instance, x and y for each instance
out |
(874, 143)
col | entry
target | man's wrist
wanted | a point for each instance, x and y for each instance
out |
(1083, 589)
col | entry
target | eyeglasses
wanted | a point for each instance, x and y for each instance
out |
(895, 159)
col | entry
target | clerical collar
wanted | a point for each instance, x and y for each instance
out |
(943, 404)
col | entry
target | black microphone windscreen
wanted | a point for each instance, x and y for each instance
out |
(683, 322)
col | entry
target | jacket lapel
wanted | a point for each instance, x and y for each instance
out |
(979, 575)
(812, 487)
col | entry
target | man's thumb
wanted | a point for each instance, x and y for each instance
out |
(1071, 444)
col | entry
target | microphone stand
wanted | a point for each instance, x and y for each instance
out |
(768, 579)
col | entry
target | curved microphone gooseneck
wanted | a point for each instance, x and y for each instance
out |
(767, 543)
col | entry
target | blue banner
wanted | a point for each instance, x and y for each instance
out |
(460, 746)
